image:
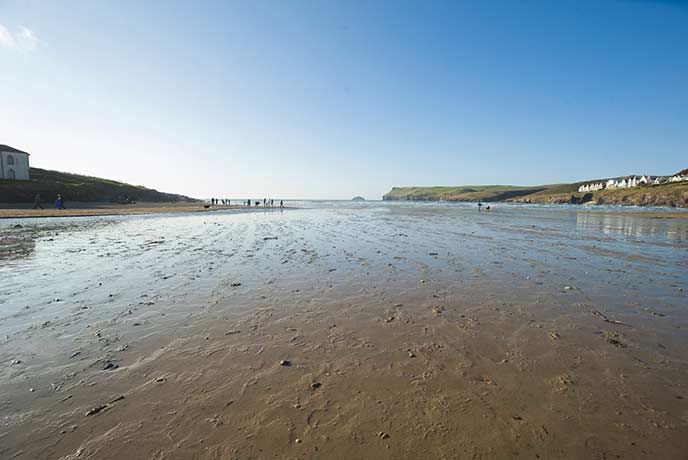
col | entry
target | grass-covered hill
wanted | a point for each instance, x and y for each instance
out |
(75, 187)
(471, 192)
(667, 194)
(673, 194)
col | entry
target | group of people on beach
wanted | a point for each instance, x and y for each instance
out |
(38, 202)
(267, 203)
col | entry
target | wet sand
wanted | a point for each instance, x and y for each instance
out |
(410, 332)
(646, 214)
(108, 209)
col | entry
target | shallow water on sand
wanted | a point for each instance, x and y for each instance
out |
(433, 331)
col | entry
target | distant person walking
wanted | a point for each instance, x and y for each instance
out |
(59, 202)
(281, 204)
(37, 202)
(480, 205)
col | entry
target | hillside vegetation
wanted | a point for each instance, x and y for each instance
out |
(75, 187)
(471, 192)
(669, 194)
(673, 195)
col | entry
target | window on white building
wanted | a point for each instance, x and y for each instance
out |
(10, 160)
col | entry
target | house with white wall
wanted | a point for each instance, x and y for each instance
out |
(632, 181)
(14, 164)
(592, 187)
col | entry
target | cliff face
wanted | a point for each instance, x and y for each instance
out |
(671, 194)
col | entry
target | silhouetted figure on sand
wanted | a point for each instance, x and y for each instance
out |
(37, 202)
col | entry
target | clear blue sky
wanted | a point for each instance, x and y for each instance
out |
(327, 99)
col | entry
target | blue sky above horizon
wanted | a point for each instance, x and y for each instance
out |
(331, 99)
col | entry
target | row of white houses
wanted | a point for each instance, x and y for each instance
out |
(631, 181)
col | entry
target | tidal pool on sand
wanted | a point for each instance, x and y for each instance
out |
(413, 331)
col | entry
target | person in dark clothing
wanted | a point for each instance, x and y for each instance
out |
(281, 204)
(59, 202)
(37, 202)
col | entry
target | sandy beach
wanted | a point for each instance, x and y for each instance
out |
(398, 331)
(109, 209)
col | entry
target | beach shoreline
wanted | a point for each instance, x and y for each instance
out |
(113, 209)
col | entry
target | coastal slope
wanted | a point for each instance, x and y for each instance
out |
(671, 194)
(75, 187)
(472, 192)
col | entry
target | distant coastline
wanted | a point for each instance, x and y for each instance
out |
(665, 194)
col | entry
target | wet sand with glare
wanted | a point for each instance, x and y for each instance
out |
(348, 331)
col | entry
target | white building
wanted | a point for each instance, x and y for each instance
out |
(14, 164)
(678, 178)
(634, 181)
(592, 187)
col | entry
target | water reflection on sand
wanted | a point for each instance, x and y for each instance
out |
(674, 230)
(555, 332)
